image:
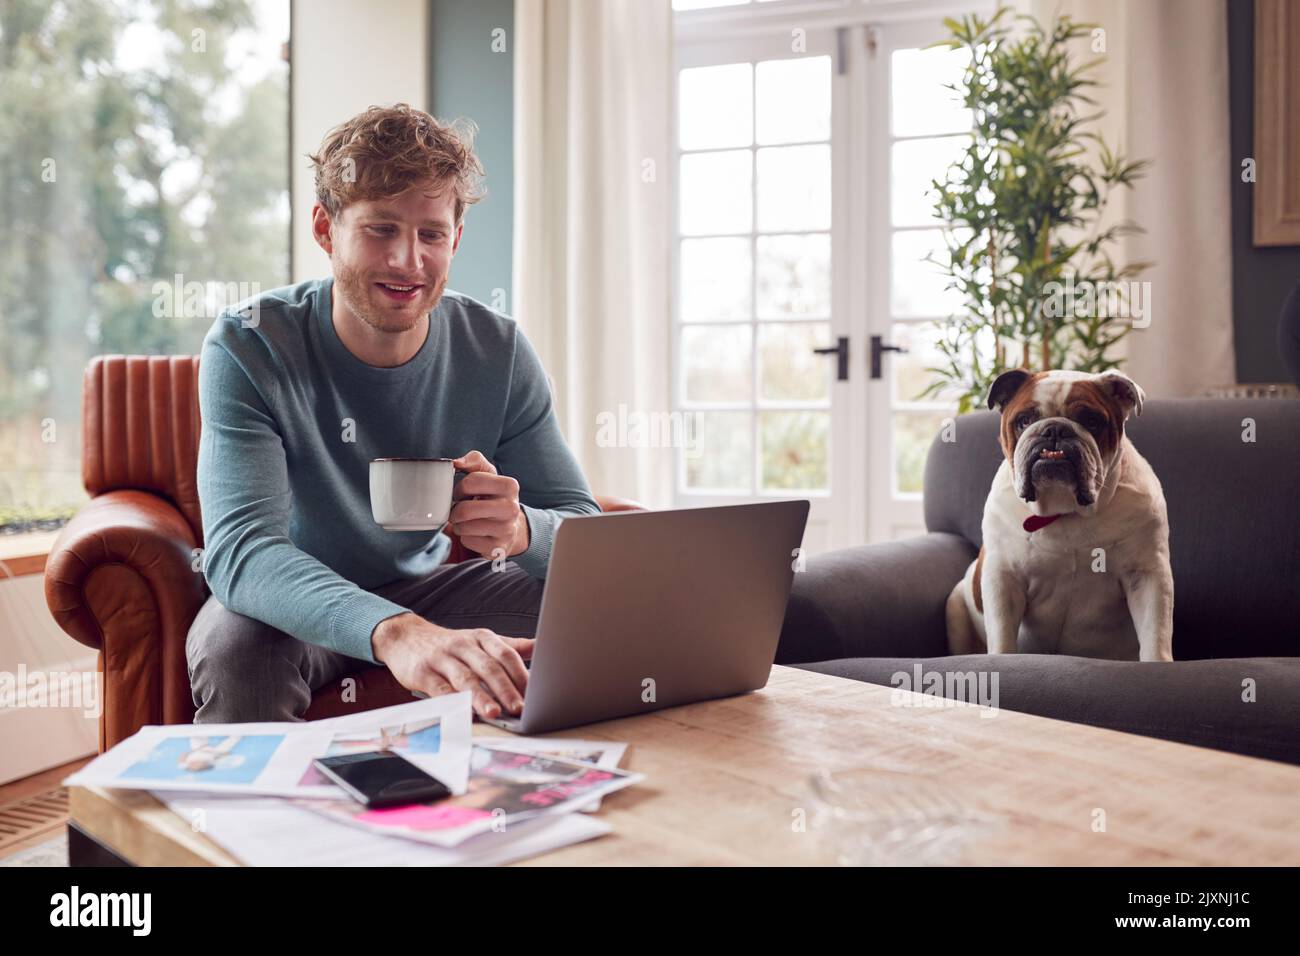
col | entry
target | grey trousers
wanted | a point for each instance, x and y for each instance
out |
(243, 670)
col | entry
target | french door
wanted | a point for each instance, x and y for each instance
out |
(803, 305)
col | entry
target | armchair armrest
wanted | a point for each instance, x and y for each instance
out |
(877, 600)
(120, 579)
(608, 504)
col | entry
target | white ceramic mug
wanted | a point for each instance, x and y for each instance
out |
(412, 494)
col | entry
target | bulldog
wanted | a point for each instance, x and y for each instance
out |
(1076, 533)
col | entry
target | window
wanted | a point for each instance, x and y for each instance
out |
(144, 156)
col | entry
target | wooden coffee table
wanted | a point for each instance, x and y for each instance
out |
(727, 783)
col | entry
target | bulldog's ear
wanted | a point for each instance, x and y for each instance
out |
(1005, 387)
(1124, 390)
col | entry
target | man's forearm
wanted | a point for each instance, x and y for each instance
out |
(274, 582)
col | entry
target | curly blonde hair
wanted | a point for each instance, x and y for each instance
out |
(386, 150)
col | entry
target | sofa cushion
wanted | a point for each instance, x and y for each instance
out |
(874, 600)
(1191, 702)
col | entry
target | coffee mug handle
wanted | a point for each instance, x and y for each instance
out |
(457, 476)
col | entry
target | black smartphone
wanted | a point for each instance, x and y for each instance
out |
(381, 778)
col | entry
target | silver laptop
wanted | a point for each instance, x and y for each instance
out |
(650, 609)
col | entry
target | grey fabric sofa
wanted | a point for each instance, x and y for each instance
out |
(870, 612)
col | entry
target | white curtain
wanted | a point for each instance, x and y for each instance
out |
(592, 228)
(1165, 94)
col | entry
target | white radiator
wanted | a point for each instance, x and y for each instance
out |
(49, 696)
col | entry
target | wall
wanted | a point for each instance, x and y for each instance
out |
(1261, 277)
(468, 78)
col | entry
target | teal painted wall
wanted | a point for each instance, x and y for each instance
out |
(468, 79)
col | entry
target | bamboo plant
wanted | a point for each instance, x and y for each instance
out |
(1023, 207)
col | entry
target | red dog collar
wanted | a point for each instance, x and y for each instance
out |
(1034, 522)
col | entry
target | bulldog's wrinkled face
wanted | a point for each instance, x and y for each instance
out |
(1062, 433)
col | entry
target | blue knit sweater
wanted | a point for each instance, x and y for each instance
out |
(291, 420)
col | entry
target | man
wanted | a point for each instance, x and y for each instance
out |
(302, 387)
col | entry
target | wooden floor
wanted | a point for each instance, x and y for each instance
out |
(37, 783)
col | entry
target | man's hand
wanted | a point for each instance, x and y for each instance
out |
(486, 515)
(438, 660)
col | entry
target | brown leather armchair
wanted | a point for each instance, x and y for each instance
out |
(122, 576)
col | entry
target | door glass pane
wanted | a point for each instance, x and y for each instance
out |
(914, 166)
(715, 106)
(788, 369)
(909, 370)
(795, 448)
(922, 105)
(716, 363)
(794, 276)
(716, 279)
(914, 432)
(722, 459)
(794, 100)
(910, 373)
(917, 287)
(794, 188)
(716, 193)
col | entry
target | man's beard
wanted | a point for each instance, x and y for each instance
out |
(359, 294)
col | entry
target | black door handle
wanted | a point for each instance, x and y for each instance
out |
(877, 347)
(840, 349)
